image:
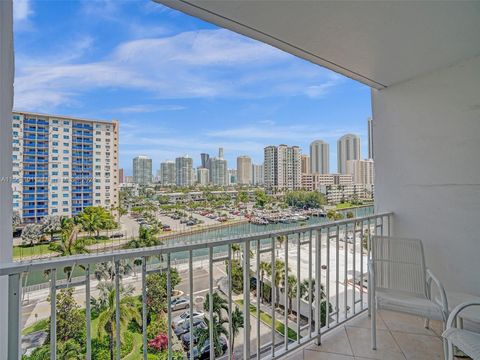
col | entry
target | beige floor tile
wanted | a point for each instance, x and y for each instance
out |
(364, 321)
(405, 323)
(316, 355)
(334, 342)
(437, 327)
(419, 347)
(360, 340)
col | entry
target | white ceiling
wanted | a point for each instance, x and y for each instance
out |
(379, 43)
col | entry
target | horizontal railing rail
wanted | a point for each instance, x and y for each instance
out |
(296, 284)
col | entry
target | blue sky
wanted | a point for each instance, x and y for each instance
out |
(177, 85)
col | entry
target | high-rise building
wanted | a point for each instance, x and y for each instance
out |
(282, 168)
(204, 157)
(370, 138)
(184, 170)
(121, 176)
(232, 177)
(62, 165)
(203, 176)
(142, 170)
(257, 175)
(362, 171)
(348, 148)
(220, 153)
(319, 157)
(168, 173)
(218, 171)
(305, 168)
(244, 170)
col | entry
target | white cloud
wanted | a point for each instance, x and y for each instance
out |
(194, 64)
(21, 10)
(147, 108)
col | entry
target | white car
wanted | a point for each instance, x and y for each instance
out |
(179, 303)
(179, 320)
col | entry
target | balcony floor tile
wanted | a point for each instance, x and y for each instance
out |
(399, 336)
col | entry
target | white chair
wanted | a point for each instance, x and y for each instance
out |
(399, 281)
(467, 341)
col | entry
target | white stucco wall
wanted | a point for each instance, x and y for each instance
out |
(427, 167)
(6, 103)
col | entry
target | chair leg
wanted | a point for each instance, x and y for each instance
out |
(449, 350)
(427, 323)
(374, 324)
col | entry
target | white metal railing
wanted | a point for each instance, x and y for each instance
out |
(332, 254)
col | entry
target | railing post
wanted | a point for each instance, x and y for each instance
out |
(88, 312)
(14, 309)
(318, 286)
(144, 307)
(53, 314)
(117, 308)
(246, 299)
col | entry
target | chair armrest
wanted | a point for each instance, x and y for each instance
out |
(457, 310)
(443, 295)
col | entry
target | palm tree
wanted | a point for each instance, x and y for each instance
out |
(219, 304)
(279, 276)
(128, 309)
(219, 329)
(106, 270)
(264, 268)
(236, 322)
(291, 289)
(91, 222)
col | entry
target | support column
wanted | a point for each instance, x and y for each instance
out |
(6, 104)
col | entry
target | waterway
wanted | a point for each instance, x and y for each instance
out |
(210, 236)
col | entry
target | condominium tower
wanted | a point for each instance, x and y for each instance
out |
(184, 170)
(142, 170)
(203, 176)
(362, 171)
(305, 159)
(167, 173)
(348, 148)
(257, 174)
(282, 168)
(319, 157)
(218, 171)
(62, 165)
(244, 170)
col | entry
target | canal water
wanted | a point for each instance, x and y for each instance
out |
(210, 236)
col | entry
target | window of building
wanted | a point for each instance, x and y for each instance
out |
(65, 151)
(55, 128)
(66, 122)
(66, 137)
(55, 136)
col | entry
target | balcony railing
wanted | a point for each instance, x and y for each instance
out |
(331, 254)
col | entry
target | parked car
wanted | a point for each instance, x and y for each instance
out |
(204, 352)
(179, 320)
(185, 326)
(179, 303)
(166, 228)
(116, 235)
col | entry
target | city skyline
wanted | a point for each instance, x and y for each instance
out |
(99, 70)
(332, 150)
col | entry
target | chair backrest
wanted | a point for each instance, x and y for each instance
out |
(399, 264)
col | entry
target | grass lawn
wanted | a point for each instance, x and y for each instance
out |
(267, 319)
(37, 326)
(136, 353)
(24, 251)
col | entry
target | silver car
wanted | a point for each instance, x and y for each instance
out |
(182, 318)
(179, 303)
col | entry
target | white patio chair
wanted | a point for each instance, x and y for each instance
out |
(399, 281)
(467, 341)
